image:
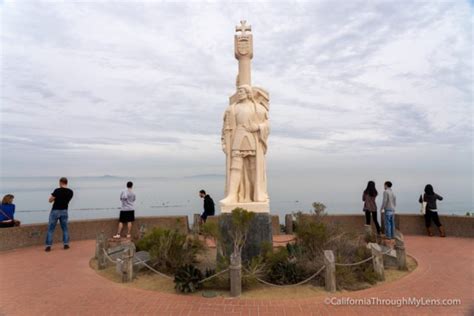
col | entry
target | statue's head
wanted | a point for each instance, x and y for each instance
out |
(244, 92)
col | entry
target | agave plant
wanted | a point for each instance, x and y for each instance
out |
(187, 279)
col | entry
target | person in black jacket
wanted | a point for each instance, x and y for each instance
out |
(431, 212)
(208, 206)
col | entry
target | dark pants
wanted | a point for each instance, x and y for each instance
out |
(430, 215)
(374, 218)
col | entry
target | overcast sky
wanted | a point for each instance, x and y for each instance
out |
(139, 89)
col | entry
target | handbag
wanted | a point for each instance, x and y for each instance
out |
(423, 206)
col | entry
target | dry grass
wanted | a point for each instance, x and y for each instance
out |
(150, 281)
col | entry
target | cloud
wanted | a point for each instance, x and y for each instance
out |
(148, 82)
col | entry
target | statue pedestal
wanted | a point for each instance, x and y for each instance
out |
(256, 207)
(260, 232)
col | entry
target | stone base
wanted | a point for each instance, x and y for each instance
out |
(256, 207)
(260, 232)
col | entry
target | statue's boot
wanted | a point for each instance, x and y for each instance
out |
(231, 198)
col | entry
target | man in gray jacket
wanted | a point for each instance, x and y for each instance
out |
(388, 205)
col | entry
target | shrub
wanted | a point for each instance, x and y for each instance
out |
(319, 208)
(358, 276)
(314, 236)
(169, 249)
(283, 266)
(187, 279)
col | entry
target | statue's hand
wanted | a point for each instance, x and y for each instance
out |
(252, 128)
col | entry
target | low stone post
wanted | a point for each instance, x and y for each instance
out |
(289, 224)
(142, 231)
(377, 260)
(368, 232)
(127, 265)
(99, 251)
(330, 271)
(235, 275)
(196, 221)
(400, 249)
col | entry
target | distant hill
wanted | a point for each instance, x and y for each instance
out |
(205, 176)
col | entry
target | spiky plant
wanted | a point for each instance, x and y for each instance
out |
(187, 279)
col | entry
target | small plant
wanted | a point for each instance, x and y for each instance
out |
(241, 220)
(187, 279)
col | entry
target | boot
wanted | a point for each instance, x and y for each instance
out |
(428, 230)
(442, 233)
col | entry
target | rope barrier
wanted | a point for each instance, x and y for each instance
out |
(355, 263)
(108, 257)
(154, 270)
(362, 261)
(291, 285)
(214, 275)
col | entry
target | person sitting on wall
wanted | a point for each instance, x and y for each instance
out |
(7, 212)
(209, 209)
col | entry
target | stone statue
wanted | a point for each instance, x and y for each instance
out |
(245, 136)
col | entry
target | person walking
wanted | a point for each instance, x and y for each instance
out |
(7, 212)
(431, 211)
(59, 211)
(209, 209)
(127, 212)
(370, 206)
(388, 209)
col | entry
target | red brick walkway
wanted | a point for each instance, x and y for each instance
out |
(61, 283)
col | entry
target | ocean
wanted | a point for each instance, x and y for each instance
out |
(98, 197)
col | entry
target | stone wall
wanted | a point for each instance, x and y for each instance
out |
(275, 222)
(410, 224)
(35, 234)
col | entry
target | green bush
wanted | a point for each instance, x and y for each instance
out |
(169, 249)
(187, 279)
(282, 266)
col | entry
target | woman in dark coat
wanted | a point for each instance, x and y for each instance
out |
(370, 207)
(431, 212)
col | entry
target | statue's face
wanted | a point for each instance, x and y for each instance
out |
(242, 94)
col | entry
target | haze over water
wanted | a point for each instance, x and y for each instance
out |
(98, 197)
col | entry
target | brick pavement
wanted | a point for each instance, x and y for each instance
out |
(33, 282)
